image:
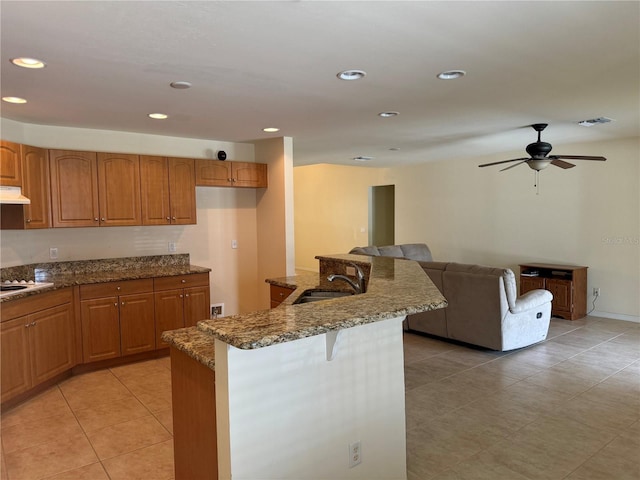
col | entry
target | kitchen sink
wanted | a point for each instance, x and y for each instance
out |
(309, 296)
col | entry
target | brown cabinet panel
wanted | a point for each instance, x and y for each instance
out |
(10, 164)
(154, 190)
(169, 306)
(562, 294)
(182, 188)
(217, 173)
(16, 368)
(196, 305)
(52, 342)
(137, 323)
(38, 345)
(100, 329)
(252, 175)
(74, 188)
(213, 173)
(530, 283)
(278, 294)
(35, 186)
(119, 189)
(110, 289)
(181, 281)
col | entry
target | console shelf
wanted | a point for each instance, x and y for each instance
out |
(567, 283)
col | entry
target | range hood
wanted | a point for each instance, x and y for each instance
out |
(13, 195)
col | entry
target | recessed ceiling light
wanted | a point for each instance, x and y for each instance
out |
(180, 85)
(13, 100)
(26, 62)
(362, 158)
(158, 116)
(351, 75)
(451, 74)
(388, 114)
(271, 129)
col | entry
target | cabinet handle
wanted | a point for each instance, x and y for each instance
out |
(183, 281)
(28, 220)
(173, 218)
(118, 288)
(102, 219)
(281, 294)
(181, 295)
(168, 219)
(187, 295)
(32, 324)
(115, 304)
(95, 219)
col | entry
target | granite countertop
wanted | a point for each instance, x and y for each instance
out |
(85, 272)
(396, 288)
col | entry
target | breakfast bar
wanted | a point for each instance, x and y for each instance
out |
(304, 390)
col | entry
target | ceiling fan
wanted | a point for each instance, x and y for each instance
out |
(539, 158)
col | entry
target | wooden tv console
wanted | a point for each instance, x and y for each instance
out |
(567, 283)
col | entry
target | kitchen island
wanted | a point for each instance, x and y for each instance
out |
(311, 390)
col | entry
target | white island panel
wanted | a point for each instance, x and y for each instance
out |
(287, 412)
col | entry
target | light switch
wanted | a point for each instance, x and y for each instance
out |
(234, 243)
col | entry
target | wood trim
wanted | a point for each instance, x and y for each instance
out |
(35, 302)
(195, 439)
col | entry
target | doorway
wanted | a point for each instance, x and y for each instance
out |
(382, 215)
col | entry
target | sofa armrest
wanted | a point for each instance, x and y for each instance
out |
(531, 300)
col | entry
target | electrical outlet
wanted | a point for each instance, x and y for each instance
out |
(596, 292)
(217, 310)
(172, 247)
(355, 454)
(53, 253)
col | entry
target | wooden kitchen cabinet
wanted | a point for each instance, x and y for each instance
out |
(10, 164)
(567, 283)
(74, 188)
(118, 319)
(180, 301)
(119, 189)
(35, 186)
(168, 190)
(217, 173)
(278, 294)
(94, 189)
(38, 345)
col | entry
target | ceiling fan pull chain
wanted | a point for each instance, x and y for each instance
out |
(537, 182)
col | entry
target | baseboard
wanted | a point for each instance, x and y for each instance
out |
(615, 316)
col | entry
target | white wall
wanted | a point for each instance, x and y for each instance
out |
(286, 412)
(588, 215)
(223, 214)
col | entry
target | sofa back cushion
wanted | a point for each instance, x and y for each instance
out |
(477, 303)
(412, 251)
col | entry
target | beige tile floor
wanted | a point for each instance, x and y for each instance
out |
(568, 408)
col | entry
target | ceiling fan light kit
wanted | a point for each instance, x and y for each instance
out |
(539, 157)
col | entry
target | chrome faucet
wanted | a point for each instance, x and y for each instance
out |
(358, 287)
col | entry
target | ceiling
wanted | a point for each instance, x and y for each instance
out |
(262, 64)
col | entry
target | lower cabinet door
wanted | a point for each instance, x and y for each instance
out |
(137, 323)
(562, 298)
(14, 350)
(100, 329)
(196, 305)
(530, 283)
(52, 342)
(169, 313)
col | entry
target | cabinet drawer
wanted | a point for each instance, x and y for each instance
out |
(110, 289)
(278, 294)
(181, 281)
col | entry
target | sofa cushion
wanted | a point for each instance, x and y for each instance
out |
(412, 251)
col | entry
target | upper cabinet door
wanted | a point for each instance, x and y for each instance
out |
(119, 189)
(182, 188)
(74, 188)
(10, 164)
(154, 190)
(247, 174)
(35, 186)
(213, 173)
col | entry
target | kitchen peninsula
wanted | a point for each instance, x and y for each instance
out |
(292, 391)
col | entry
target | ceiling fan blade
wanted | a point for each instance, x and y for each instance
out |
(578, 157)
(505, 161)
(562, 163)
(515, 165)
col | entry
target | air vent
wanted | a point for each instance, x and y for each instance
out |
(594, 121)
(362, 159)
